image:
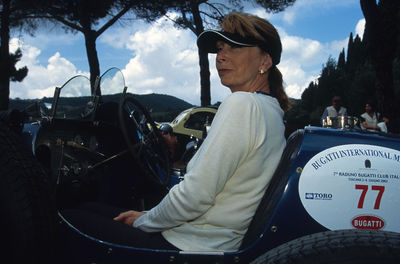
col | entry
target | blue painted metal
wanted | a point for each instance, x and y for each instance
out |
(29, 133)
(288, 221)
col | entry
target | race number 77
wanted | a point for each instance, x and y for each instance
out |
(364, 189)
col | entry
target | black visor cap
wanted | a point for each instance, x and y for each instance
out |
(207, 41)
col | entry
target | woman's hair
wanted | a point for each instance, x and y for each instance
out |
(371, 103)
(252, 26)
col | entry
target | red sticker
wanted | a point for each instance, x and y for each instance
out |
(368, 222)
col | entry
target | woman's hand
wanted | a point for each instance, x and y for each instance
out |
(128, 217)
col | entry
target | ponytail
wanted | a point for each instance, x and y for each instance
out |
(276, 87)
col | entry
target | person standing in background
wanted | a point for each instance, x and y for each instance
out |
(335, 110)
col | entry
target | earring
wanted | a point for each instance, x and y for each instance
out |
(262, 71)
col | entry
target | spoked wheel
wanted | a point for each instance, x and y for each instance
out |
(28, 214)
(340, 246)
(150, 151)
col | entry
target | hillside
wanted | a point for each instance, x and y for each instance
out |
(162, 107)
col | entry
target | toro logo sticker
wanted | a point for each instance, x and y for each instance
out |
(368, 222)
(319, 196)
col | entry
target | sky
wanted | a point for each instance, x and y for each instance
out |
(159, 58)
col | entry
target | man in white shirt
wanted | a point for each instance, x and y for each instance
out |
(335, 110)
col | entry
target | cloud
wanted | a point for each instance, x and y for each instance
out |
(159, 58)
(165, 61)
(337, 46)
(302, 60)
(41, 80)
(360, 28)
(29, 53)
(296, 79)
(306, 51)
(117, 37)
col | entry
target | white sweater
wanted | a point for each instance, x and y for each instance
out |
(211, 209)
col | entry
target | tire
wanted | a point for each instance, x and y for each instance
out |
(341, 246)
(28, 214)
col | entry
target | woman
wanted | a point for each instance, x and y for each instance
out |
(370, 120)
(211, 209)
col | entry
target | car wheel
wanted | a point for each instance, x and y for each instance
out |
(341, 246)
(28, 214)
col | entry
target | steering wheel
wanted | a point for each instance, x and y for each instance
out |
(150, 152)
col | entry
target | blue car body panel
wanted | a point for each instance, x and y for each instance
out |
(287, 220)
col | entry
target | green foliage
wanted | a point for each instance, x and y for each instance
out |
(361, 88)
(275, 5)
(352, 77)
(371, 70)
(151, 10)
(13, 15)
(341, 60)
(17, 75)
(396, 76)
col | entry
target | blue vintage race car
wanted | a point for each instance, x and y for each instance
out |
(334, 197)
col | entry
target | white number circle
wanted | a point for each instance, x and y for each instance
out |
(353, 186)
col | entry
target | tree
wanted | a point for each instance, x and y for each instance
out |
(196, 15)
(92, 18)
(381, 32)
(341, 60)
(84, 17)
(370, 70)
(4, 54)
(12, 14)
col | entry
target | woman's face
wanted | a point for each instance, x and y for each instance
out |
(368, 108)
(238, 67)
